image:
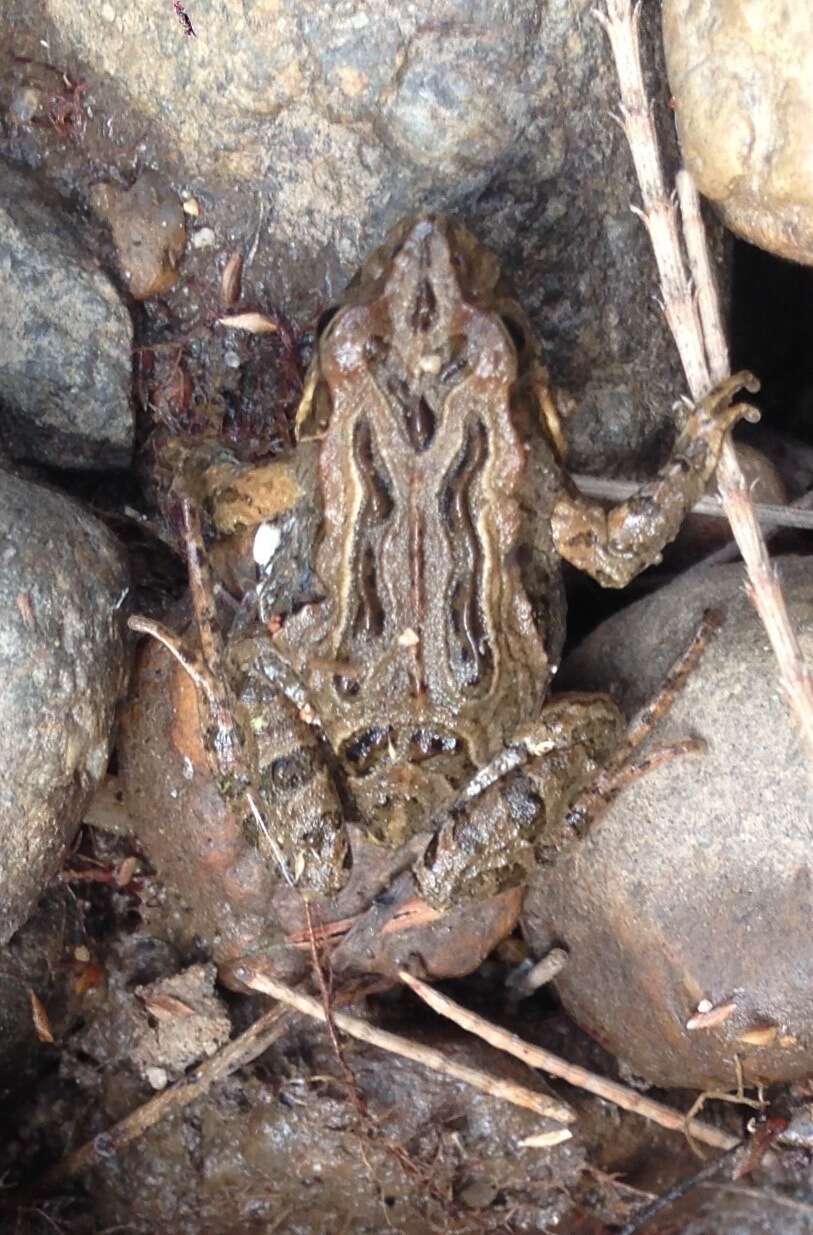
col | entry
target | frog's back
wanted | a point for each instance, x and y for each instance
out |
(443, 607)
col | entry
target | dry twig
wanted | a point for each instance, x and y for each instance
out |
(541, 1104)
(538, 1057)
(696, 326)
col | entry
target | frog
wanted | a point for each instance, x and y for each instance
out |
(407, 694)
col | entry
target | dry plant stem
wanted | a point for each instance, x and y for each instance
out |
(544, 971)
(621, 21)
(518, 1095)
(256, 1039)
(537, 1057)
(765, 590)
(703, 355)
(607, 488)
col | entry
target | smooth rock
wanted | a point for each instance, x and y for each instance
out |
(741, 73)
(697, 883)
(313, 128)
(65, 338)
(63, 582)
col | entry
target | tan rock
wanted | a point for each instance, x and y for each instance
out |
(741, 73)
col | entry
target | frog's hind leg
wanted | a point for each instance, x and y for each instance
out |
(266, 759)
(490, 840)
(544, 791)
(625, 765)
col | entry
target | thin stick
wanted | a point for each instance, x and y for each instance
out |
(538, 1057)
(236, 1054)
(768, 1195)
(518, 1095)
(703, 355)
(676, 1193)
(765, 590)
(797, 514)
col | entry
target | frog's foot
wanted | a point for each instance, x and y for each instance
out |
(615, 545)
(401, 931)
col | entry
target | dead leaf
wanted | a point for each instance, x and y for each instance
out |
(42, 1026)
(125, 871)
(25, 609)
(544, 1140)
(254, 323)
(230, 279)
(87, 977)
(165, 1007)
(712, 1018)
(758, 1035)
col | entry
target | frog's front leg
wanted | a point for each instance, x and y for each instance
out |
(614, 545)
(486, 843)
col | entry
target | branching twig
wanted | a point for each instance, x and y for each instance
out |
(538, 1057)
(540, 1103)
(697, 330)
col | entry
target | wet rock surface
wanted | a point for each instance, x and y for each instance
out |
(306, 131)
(62, 665)
(694, 889)
(35, 960)
(65, 338)
(741, 73)
(149, 231)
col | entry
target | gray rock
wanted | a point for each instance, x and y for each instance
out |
(696, 884)
(62, 667)
(65, 338)
(338, 119)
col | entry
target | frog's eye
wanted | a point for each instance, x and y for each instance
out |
(325, 319)
(516, 332)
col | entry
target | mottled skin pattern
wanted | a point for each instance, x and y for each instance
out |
(431, 452)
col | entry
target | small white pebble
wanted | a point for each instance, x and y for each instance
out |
(231, 359)
(188, 768)
(705, 1005)
(157, 1078)
(204, 238)
(81, 954)
(191, 207)
(408, 638)
(266, 542)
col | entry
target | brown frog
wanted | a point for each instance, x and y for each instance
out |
(409, 697)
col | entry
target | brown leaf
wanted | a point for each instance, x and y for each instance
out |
(758, 1035)
(254, 323)
(42, 1026)
(231, 279)
(125, 871)
(545, 1140)
(712, 1018)
(87, 977)
(166, 1007)
(25, 609)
